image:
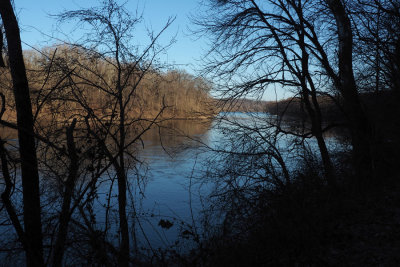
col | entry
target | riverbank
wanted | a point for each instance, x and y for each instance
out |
(309, 224)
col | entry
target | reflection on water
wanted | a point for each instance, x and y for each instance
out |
(173, 164)
(170, 155)
(174, 134)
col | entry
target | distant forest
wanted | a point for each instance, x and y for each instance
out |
(181, 94)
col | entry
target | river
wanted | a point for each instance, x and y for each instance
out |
(169, 189)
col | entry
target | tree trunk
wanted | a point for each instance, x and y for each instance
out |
(65, 215)
(123, 257)
(360, 127)
(27, 149)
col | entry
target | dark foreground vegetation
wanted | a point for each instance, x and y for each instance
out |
(332, 207)
(283, 196)
(308, 224)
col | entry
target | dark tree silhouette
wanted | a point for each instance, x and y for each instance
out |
(359, 124)
(292, 45)
(29, 165)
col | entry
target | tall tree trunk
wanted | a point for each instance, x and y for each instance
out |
(65, 215)
(27, 149)
(123, 258)
(360, 127)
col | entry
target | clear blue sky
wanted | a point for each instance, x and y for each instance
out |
(34, 18)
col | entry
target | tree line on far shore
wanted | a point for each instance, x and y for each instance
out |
(184, 95)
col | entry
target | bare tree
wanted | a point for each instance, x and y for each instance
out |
(359, 124)
(292, 45)
(376, 25)
(32, 235)
(117, 128)
(269, 44)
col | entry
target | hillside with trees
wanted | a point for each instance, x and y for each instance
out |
(183, 95)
